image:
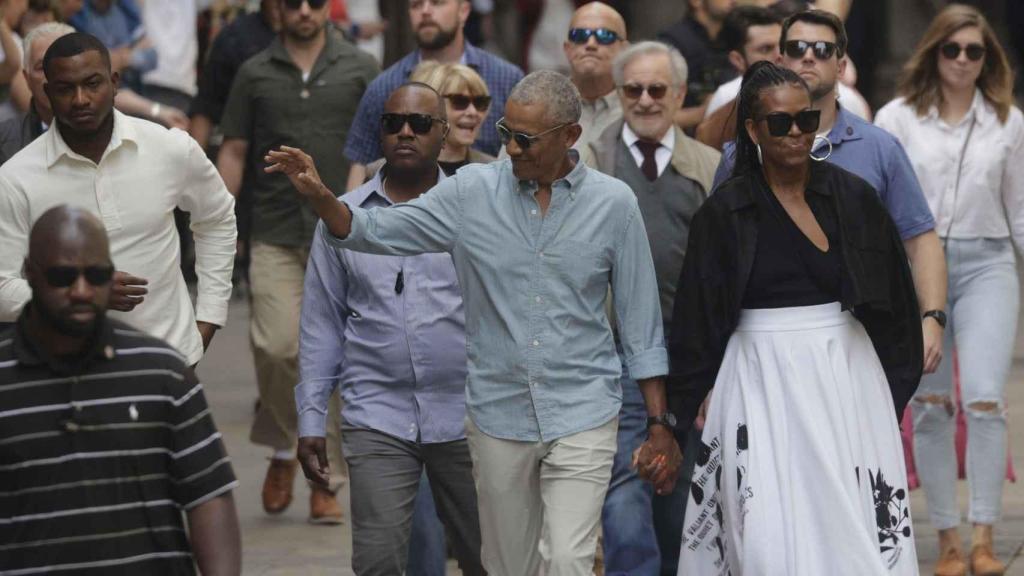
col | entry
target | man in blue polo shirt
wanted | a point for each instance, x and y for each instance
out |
(813, 44)
(438, 28)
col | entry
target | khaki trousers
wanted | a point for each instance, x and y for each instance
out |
(540, 502)
(276, 276)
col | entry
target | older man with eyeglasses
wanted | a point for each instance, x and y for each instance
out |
(535, 239)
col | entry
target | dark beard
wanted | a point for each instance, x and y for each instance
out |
(443, 38)
(62, 322)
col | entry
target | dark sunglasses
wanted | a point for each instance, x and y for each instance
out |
(523, 140)
(779, 123)
(604, 36)
(636, 91)
(420, 123)
(296, 4)
(461, 102)
(797, 49)
(951, 51)
(64, 276)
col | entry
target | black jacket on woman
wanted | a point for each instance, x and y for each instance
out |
(876, 284)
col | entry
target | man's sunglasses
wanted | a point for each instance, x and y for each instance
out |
(64, 276)
(296, 4)
(604, 36)
(419, 123)
(779, 123)
(951, 51)
(461, 102)
(523, 140)
(636, 91)
(797, 48)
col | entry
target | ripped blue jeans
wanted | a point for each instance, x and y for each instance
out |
(982, 311)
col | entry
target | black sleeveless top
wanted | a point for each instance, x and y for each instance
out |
(789, 270)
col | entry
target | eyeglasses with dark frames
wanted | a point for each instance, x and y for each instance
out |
(523, 140)
(296, 4)
(779, 123)
(797, 48)
(604, 36)
(462, 101)
(419, 123)
(952, 50)
(636, 91)
(64, 276)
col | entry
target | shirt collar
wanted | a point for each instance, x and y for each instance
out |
(470, 57)
(375, 187)
(978, 110)
(56, 147)
(572, 180)
(333, 49)
(28, 352)
(629, 137)
(844, 128)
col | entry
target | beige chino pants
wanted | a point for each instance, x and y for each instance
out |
(540, 502)
(276, 276)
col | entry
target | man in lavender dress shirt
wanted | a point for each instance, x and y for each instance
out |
(391, 332)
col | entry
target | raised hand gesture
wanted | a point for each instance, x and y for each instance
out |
(300, 170)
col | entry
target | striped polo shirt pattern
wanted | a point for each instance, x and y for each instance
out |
(98, 459)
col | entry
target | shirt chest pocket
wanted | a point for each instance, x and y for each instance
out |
(581, 264)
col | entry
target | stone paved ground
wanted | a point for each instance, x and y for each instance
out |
(287, 545)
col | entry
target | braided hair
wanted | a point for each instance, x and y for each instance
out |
(760, 76)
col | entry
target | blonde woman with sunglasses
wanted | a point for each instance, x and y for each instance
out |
(956, 119)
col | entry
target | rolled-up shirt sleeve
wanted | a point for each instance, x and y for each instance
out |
(321, 335)
(14, 230)
(637, 307)
(430, 223)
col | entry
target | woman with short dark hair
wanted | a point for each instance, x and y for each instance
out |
(798, 306)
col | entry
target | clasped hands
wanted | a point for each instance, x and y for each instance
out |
(658, 459)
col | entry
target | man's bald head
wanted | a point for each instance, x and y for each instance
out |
(404, 94)
(65, 228)
(599, 15)
(590, 60)
(69, 270)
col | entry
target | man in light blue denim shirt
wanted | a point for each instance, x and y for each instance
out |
(390, 331)
(536, 240)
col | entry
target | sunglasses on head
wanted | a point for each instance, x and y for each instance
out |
(779, 123)
(797, 48)
(461, 102)
(603, 36)
(64, 276)
(951, 51)
(419, 123)
(523, 140)
(296, 4)
(636, 91)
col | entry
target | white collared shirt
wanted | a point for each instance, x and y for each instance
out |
(145, 173)
(662, 155)
(990, 200)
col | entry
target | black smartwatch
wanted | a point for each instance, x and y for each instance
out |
(939, 316)
(667, 420)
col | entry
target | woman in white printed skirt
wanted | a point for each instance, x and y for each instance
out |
(798, 307)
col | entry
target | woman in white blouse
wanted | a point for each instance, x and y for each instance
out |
(956, 119)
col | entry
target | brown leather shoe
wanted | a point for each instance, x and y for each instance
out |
(277, 486)
(951, 563)
(323, 507)
(984, 562)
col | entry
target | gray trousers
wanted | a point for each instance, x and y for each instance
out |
(384, 475)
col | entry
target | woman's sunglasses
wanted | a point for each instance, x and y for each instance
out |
(296, 4)
(604, 36)
(779, 123)
(636, 91)
(64, 276)
(419, 123)
(461, 102)
(951, 51)
(523, 140)
(797, 48)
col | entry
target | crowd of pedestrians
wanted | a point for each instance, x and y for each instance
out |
(659, 314)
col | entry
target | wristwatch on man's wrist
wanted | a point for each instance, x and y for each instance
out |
(938, 315)
(667, 420)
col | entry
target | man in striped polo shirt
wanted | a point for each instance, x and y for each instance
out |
(105, 435)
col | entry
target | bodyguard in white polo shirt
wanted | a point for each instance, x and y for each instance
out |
(132, 174)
